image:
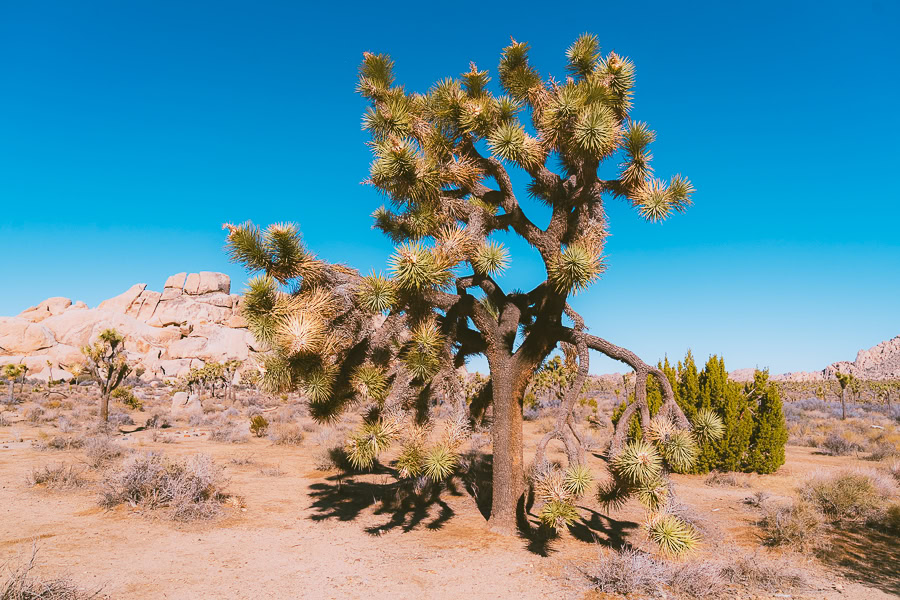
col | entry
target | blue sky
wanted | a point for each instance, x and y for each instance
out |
(130, 131)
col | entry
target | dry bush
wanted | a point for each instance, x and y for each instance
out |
(5, 421)
(310, 426)
(57, 477)
(21, 585)
(286, 434)
(330, 450)
(758, 498)
(798, 525)
(759, 573)
(720, 479)
(157, 421)
(243, 459)
(893, 470)
(275, 471)
(627, 572)
(189, 489)
(34, 414)
(635, 573)
(836, 444)
(849, 495)
(58, 442)
(884, 450)
(65, 425)
(228, 433)
(117, 419)
(101, 449)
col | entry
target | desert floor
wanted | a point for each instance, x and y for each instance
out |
(305, 533)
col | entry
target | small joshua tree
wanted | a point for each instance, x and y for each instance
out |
(105, 363)
(393, 343)
(847, 382)
(12, 373)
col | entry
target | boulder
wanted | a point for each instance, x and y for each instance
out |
(63, 355)
(45, 374)
(212, 343)
(175, 281)
(192, 284)
(47, 308)
(144, 305)
(186, 309)
(79, 328)
(185, 404)
(78, 306)
(123, 301)
(211, 282)
(20, 336)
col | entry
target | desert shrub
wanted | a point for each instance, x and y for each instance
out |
(117, 419)
(227, 433)
(34, 414)
(720, 479)
(286, 434)
(275, 471)
(189, 489)
(330, 450)
(634, 573)
(157, 421)
(758, 499)
(627, 572)
(258, 425)
(754, 429)
(836, 444)
(759, 573)
(65, 425)
(101, 449)
(243, 459)
(798, 525)
(58, 477)
(310, 426)
(127, 397)
(58, 442)
(893, 470)
(21, 585)
(4, 419)
(848, 495)
(884, 450)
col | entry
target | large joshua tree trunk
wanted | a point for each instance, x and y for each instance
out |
(104, 407)
(508, 465)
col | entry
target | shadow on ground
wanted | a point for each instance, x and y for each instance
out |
(345, 497)
(867, 556)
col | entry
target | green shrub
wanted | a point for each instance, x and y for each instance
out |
(848, 495)
(754, 431)
(127, 397)
(258, 425)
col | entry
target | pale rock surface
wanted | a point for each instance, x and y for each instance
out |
(194, 320)
(19, 335)
(47, 308)
(184, 403)
(124, 300)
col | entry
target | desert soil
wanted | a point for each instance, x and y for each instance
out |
(312, 534)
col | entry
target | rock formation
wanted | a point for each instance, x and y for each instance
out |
(194, 320)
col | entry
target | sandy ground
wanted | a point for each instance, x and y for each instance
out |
(312, 534)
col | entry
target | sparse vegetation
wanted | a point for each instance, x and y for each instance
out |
(57, 477)
(188, 489)
(105, 363)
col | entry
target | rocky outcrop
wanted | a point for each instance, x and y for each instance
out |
(876, 363)
(879, 362)
(192, 321)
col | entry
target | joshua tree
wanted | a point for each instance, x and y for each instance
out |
(444, 160)
(12, 373)
(105, 363)
(846, 380)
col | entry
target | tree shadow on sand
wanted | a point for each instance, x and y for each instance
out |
(345, 497)
(596, 529)
(868, 556)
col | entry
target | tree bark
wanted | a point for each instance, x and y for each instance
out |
(508, 465)
(12, 383)
(104, 407)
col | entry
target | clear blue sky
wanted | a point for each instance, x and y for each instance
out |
(130, 131)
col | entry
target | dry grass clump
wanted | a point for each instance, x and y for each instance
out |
(56, 477)
(21, 585)
(720, 479)
(58, 442)
(634, 573)
(100, 450)
(157, 421)
(837, 444)
(229, 433)
(797, 525)
(286, 434)
(757, 572)
(189, 489)
(856, 495)
(329, 452)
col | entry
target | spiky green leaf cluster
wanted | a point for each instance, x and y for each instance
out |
(371, 440)
(673, 536)
(575, 269)
(577, 480)
(415, 268)
(439, 463)
(491, 259)
(557, 514)
(638, 463)
(376, 293)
